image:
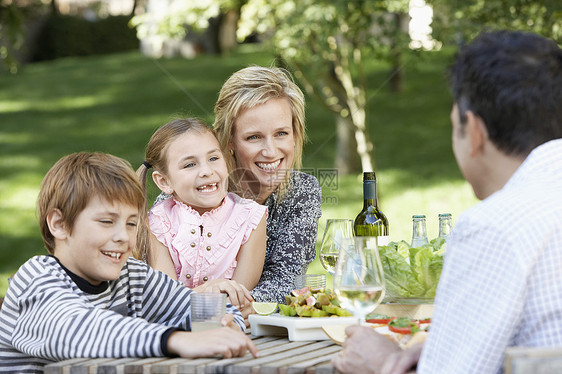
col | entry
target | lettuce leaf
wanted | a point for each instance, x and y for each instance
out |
(412, 272)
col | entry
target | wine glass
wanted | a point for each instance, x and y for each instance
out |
(336, 233)
(359, 279)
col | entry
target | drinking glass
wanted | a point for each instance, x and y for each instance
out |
(337, 231)
(314, 281)
(359, 279)
(207, 310)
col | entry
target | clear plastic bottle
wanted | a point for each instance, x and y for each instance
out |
(419, 232)
(445, 225)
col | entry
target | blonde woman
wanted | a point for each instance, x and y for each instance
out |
(259, 121)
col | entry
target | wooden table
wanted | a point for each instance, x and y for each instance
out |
(277, 355)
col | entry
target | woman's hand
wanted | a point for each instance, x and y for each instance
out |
(225, 342)
(238, 295)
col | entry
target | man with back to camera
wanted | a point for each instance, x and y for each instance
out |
(501, 284)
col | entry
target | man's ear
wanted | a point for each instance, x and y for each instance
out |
(476, 131)
(162, 182)
(56, 224)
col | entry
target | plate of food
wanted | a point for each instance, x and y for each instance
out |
(302, 317)
(403, 331)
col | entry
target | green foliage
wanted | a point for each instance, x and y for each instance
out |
(11, 34)
(179, 14)
(457, 21)
(64, 36)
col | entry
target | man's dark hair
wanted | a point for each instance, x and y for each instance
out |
(513, 81)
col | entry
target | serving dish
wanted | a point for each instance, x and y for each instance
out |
(296, 328)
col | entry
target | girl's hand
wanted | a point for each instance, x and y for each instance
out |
(238, 295)
(246, 311)
(224, 342)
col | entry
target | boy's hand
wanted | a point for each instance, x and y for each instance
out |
(224, 342)
(228, 321)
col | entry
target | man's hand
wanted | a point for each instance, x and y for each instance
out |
(238, 295)
(224, 342)
(403, 361)
(364, 351)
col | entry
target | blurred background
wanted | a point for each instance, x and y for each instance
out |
(102, 75)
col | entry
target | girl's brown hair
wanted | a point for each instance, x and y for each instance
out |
(156, 157)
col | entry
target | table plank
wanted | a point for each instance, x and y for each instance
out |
(282, 366)
(309, 365)
(115, 366)
(141, 365)
(277, 355)
(327, 368)
(274, 354)
(62, 366)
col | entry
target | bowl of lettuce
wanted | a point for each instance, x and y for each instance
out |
(412, 273)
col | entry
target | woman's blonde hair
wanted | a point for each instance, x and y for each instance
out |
(156, 158)
(250, 87)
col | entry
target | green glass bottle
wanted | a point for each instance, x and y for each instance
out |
(371, 221)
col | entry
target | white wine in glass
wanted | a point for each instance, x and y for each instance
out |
(359, 279)
(337, 232)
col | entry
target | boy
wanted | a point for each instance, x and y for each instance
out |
(87, 298)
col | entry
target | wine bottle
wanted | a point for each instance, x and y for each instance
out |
(419, 232)
(371, 221)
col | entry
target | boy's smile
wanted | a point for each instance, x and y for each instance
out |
(103, 237)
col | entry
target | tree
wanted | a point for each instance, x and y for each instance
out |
(325, 43)
(219, 18)
(460, 21)
(12, 34)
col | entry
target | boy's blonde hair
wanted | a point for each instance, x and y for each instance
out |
(70, 184)
(250, 87)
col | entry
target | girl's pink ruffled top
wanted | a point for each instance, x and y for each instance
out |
(205, 247)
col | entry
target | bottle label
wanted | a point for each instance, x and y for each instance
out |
(383, 240)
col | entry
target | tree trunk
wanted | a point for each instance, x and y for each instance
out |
(347, 159)
(364, 145)
(54, 8)
(401, 30)
(211, 35)
(227, 31)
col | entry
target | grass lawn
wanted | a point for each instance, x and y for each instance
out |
(114, 103)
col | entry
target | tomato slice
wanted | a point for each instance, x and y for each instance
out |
(403, 326)
(425, 320)
(383, 321)
(379, 318)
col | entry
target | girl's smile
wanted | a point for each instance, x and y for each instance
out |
(197, 173)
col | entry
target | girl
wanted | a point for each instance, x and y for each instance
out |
(202, 233)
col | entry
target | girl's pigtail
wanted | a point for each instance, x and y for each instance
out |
(142, 249)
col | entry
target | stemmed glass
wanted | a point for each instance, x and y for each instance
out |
(359, 279)
(337, 232)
